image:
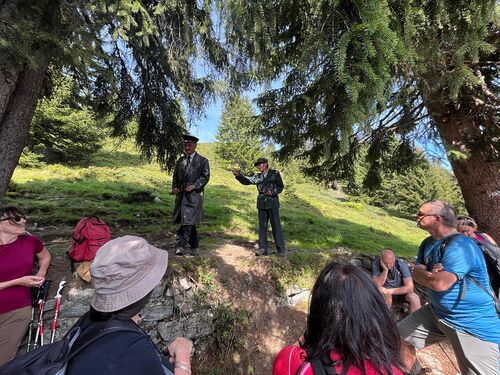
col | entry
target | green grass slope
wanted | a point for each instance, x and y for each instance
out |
(313, 218)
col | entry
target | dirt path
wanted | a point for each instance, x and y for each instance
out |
(245, 282)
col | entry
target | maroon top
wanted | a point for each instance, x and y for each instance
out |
(17, 260)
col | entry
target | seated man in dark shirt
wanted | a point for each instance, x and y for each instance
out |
(393, 278)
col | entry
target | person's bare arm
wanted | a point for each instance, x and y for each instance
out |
(180, 352)
(27, 281)
(382, 278)
(44, 258)
(438, 281)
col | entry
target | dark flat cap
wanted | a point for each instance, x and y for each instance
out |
(260, 161)
(190, 138)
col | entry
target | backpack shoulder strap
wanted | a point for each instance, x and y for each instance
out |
(317, 367)
(446, 241)
(98, 330)
(482, 237)
(478, 284)
(423, 245)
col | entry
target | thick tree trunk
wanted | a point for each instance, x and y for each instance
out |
(20, 97)
(478, 173)
(21, 84)
(480, 184)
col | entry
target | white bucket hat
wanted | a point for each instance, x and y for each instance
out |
(125, 270)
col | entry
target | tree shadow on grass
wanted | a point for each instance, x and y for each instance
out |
(304, 226)
(229, 213)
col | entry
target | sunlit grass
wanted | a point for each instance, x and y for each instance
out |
(313, 218)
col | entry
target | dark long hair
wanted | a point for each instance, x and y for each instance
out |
(349, 316)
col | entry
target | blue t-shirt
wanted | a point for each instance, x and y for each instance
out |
(474, 314)
(395, 275)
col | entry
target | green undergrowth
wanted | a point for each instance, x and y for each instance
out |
(299, 269)
(231, 323)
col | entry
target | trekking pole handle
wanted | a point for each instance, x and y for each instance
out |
(56, 314)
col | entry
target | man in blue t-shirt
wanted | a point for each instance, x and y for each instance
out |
(393, 278)
(458, 309)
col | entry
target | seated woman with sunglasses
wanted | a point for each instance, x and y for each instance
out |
(349, 329)
(467, 225)
(18, 251)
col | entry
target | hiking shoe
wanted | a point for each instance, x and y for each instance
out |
(195, 252)
(281, 254)
(179, 251)
(261, 253)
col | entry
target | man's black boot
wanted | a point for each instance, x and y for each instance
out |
(261, 252)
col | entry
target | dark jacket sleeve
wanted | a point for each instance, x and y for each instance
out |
(278, 185)
(204, 177)
(175, 177)
(247, 180)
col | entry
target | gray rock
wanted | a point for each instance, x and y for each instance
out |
(184, 283)
(49, 305)
(74, 309)
(298, 297)
(185, 302)
(159, 310)
(158, 290)
(194, 326)
(76, 294)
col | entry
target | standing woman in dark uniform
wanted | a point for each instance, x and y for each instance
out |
(269, 185)
(191, 174)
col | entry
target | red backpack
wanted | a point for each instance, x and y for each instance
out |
(89, 235)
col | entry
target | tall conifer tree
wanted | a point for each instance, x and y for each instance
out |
(374, 71)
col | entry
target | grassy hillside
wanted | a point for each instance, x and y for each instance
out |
(313, 218)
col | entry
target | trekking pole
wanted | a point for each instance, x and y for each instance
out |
(35, 293)
(56, 313)
(41, 303)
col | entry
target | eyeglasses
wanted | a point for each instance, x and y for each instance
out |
(15, 218)
(421, 215)
(467, 223)
(467, 220)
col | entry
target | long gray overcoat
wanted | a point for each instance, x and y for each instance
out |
(188, 208)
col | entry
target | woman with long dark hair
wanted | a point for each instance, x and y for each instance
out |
(349, 330)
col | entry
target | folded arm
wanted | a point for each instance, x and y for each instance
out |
(437, 281)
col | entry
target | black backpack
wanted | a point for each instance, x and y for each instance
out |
(52, 359)
(491, 255)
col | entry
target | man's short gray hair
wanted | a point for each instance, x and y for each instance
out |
(445, 210)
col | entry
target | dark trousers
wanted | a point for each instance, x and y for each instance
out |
(187, 234)
(273, 215)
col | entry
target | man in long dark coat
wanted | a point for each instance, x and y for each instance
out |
(191, 174)
(269, 185)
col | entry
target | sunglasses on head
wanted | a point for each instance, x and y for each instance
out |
(16, 218)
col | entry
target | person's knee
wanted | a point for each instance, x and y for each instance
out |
(413, 299)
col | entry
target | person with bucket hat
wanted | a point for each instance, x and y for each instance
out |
(191, 174)
(269, 185)
(125, 272)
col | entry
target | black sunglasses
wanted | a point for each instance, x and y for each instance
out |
(16, 218)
